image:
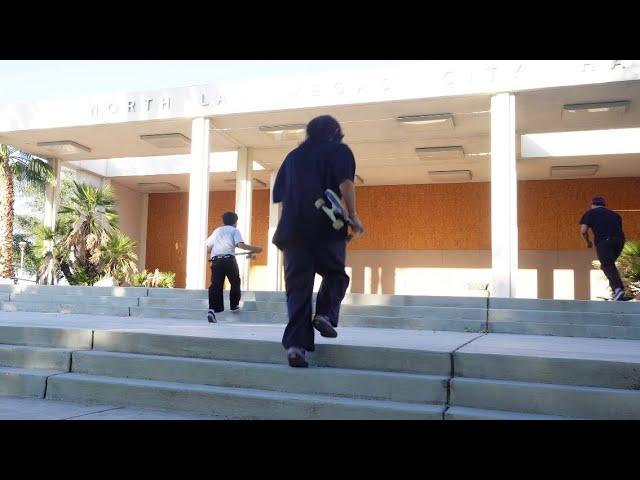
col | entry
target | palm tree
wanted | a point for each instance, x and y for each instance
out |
(629, 260)
(51, 252)
(92, 219)
(16, 166)
(119, 259)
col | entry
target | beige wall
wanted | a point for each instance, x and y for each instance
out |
(543, 273)
(130, 212)
(562, 274)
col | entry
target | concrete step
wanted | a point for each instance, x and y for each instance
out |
(537, 369)
(545, 399)
(201, 313)
(586, 306)
(75, 338)
(177, 292)
(565, 330)
(52, 307)
(31, 408)
(399, 387)
(82, 291)
(230, 402)
(109, 301)
(180, 302)
(463, 413)
(569, 318)
(18, 356)
(266, 317)
(358, 357)
(414, 300)
(349, 299)
(439, 324)
(21, 382)
(440, 313)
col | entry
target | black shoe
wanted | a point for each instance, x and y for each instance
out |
(211, 317)
(296, 357)
(618, 295)
(323, 325)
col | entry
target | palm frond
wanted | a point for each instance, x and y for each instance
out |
(32, 171)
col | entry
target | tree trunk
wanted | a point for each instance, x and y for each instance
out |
(6, 220)
(64, 266)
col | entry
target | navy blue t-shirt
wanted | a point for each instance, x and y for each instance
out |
(305, 174)
(604, 223)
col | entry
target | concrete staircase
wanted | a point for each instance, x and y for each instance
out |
(567, 318)
(593, 319)
(29, 357)
(425, 357)
(435, 375)
(532, 375)
(464, 314)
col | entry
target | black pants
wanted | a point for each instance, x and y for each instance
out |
(608, 251)
(221, 268)
(301, 262)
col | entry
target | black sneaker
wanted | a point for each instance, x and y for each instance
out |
(211, 317)
(297, 357)
(323, 325)
(618, 295)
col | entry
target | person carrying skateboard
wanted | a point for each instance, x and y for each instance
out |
(307, 238)
(608, 236)
(221, 247)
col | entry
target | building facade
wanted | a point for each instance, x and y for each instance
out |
(469, 173)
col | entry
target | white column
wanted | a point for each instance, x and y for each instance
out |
(142, 244)
(52, 194)
(244, 196)
(274, 258)
(198, 204)
(504, 196)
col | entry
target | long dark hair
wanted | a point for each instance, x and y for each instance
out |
(324, 128)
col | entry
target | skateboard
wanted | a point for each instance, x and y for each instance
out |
(607, 299)
(335, 212)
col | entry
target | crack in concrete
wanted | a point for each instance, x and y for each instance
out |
(453, 370)
(93, 413)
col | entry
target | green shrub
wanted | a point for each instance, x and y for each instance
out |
(155, 279)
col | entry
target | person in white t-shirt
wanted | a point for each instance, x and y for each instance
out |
(221, 247)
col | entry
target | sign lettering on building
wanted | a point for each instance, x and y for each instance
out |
(166, 104)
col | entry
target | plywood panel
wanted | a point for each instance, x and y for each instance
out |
(167, 228)
(549, 210)
(451, 216)
(415, 217)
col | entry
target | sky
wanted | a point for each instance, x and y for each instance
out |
(32, 80)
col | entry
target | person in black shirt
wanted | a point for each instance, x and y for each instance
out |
(307, 238)
(606, 226)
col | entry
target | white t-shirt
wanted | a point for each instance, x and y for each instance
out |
(224, 240)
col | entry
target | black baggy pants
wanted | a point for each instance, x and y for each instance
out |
(608, 251)
(301, 262)
(221, 268)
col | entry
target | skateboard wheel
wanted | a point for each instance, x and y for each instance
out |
(338, 224)
(319, 203)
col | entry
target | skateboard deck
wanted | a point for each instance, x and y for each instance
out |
(331, 205)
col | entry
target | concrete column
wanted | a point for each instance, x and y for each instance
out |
(244, 196)
(142, 244)
(198, 204)
(274, 256)
(52, 194)
(504, 196)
